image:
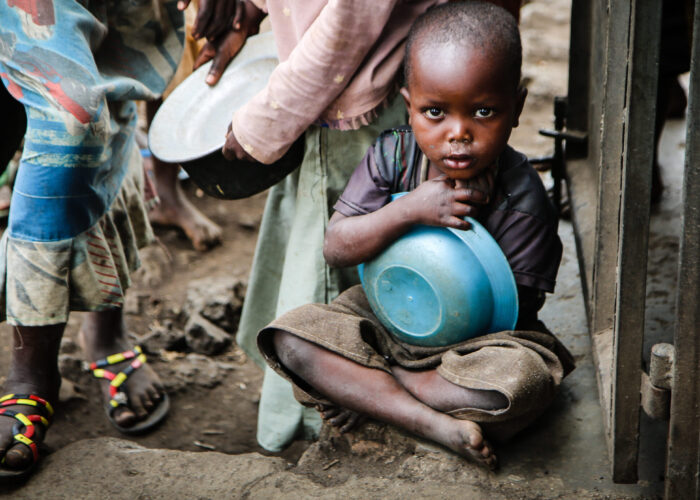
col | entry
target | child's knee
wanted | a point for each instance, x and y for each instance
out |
(289, 349)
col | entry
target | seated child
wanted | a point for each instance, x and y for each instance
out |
(463, 94)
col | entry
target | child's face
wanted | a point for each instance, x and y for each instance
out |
(462, 106)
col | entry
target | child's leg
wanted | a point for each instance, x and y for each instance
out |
(379, 395)
(33, 370)
(429, 387)
(103, 334)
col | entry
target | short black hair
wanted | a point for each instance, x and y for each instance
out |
(468, 24)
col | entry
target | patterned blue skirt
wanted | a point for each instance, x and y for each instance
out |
(77, 67)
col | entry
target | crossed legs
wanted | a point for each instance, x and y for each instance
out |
(401, 398)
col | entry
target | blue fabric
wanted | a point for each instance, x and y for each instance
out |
(76, 70)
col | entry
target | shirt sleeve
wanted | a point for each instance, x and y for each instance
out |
(532, 247)
(367, 190)
(314, 75)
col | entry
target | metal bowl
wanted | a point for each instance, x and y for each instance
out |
(190, 126)
(230, 180)
(438, 286)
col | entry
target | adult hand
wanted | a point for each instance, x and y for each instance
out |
(220, 51)
(232, 148)
(214, 17)
(225, 46)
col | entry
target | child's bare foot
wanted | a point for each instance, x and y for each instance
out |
(176, 210)
(103, 334)
(343, 419)
(466, 438)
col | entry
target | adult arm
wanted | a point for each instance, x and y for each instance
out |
(316, 72)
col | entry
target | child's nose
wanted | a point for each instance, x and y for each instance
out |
(461, 132)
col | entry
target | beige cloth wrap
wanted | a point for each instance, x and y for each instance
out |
(526, 367)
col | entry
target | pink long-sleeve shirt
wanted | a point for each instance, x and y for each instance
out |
(339, 62)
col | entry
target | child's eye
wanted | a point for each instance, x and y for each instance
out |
(434, 113)
(484, 112)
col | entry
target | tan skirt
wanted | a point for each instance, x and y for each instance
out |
(526, 367)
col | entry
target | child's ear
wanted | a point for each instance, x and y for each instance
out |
(522, 94)
(407, 101)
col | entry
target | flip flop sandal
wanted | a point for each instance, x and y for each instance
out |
(119, 398)
(24, 429)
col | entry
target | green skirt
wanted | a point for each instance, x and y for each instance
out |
(289, 269)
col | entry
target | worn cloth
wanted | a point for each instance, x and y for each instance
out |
(289, 269)
(340, 63)
(519, 216)
(77, 67)
(526, 367)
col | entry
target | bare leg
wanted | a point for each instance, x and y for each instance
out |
(379, 395)
(104, 333)
(429, 387)
(33, 370)
(175, 209)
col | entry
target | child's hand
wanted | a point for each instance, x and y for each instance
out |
(445, 202)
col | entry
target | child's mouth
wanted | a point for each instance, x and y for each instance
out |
(458, 162)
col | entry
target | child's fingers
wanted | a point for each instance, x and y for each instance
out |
(204, 14)
(460, 209)
(205, 55)
(457, 223)
(239, 17)
(218, 65)
(471, 195)
(354, 420)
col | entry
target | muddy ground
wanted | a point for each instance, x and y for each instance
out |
(214, 397)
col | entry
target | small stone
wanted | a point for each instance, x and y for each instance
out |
(248, 223)
(218, 301)
(70, 366)
(205, 337)
(193, 369)
(163, 337)
(135, 304)
(69, 346)
(69, 391)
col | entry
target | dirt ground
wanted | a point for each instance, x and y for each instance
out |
(214, 398)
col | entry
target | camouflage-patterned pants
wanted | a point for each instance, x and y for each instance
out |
(76, 213)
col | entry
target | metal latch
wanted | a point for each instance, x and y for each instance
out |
(555, 162)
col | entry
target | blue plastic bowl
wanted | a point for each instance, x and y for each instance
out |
(438, 286)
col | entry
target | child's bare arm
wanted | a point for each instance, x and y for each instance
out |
(436, 202)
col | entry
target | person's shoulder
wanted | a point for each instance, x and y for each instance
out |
(395, 150)
(523, 188)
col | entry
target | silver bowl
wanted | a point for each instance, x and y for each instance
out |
(190, 126)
